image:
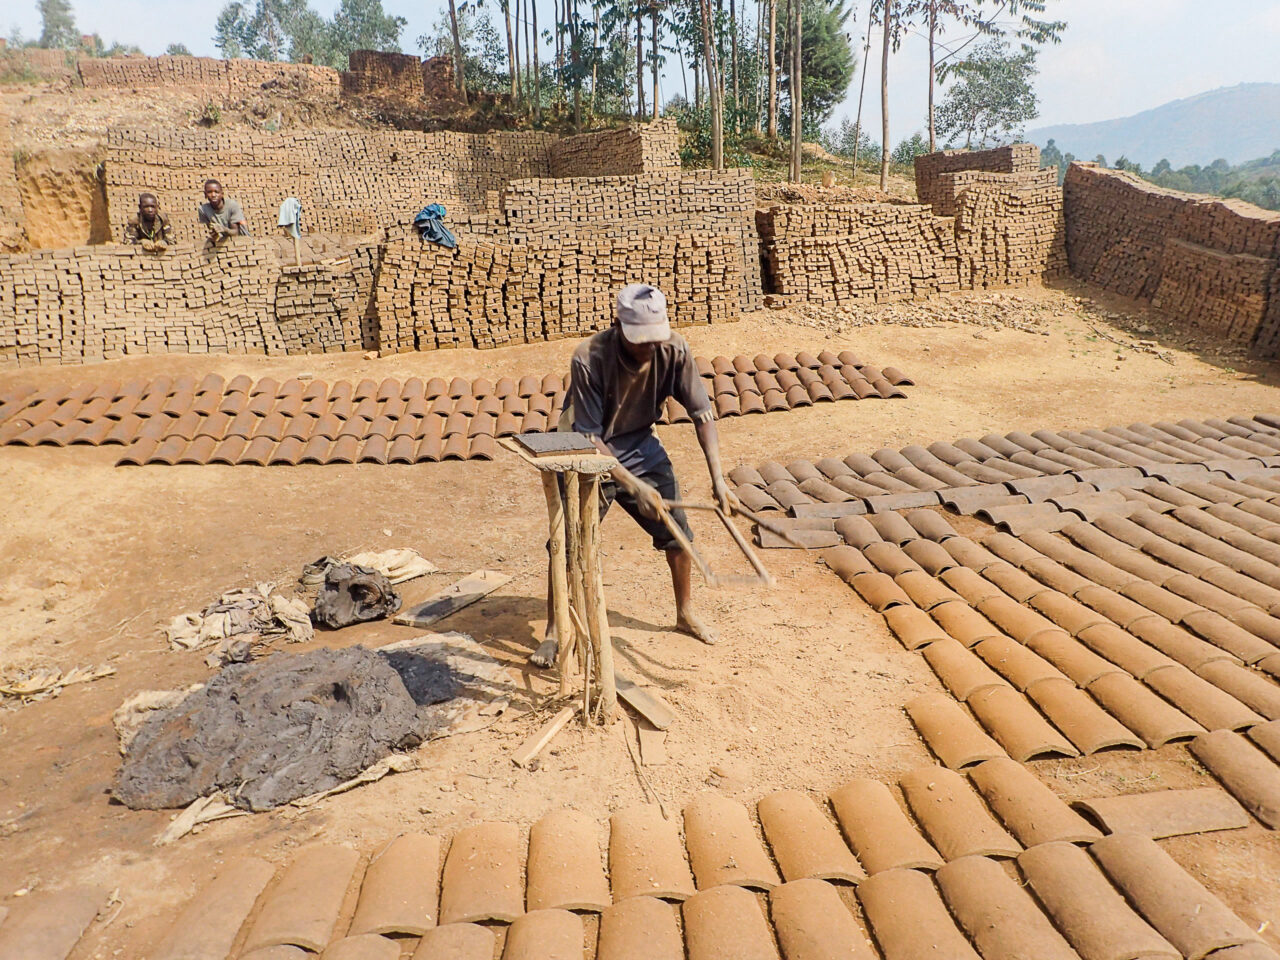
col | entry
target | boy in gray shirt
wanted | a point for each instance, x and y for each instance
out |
(222, 215)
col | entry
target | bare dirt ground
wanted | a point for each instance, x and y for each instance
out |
(804, 691)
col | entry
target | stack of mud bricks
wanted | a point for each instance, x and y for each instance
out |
(1009, 226)
(13, 233)
(399, 77)
(349, 182)
(23, 62)
(1210, 263)
(637, 148)
(1016, 158)
(860, 251)
(233, 79)
(564, 249)
(98, 303)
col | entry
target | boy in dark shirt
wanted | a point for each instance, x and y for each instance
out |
(619, 381)
(149, 229)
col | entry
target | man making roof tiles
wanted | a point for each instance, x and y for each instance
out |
(619, 381)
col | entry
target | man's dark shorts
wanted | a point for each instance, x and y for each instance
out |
(660, 475)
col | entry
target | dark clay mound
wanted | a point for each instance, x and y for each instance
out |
(281, 728)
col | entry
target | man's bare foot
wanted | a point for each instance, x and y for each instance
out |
(545, 655)
(690, 623)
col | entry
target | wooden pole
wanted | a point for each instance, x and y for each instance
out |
(558, 580)
(573, 531)
(596, 611)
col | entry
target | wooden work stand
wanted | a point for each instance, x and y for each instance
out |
(571, 485)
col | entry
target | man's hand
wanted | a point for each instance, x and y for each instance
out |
(726, 498)
(648, 500)
(148, 246)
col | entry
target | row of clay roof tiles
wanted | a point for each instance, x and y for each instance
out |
(994, 860)
(998, 471)
(173, 420)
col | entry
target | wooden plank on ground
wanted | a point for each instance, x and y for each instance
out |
(538, 742)
(452, 599)
(644, 703)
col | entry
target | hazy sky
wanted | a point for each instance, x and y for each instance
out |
(1117, 56)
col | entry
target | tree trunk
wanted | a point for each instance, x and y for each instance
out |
(459, 59)
(683, 75)
(884, 96)
(733, 51)
(772, 125)
(559, 59)
(537, 69)
(713, 87)
(519, 71)
(857, 125)
(797, 97)
(757, 60)
(595, 45)
(511, 50)
(639, 61)
(528, 59)
(653, 47)
(572, 10)
(933, 28)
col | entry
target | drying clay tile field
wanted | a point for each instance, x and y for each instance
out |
(851, 771)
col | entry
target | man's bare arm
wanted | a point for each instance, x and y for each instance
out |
(709, 440)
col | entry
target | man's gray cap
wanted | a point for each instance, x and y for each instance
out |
(642, 314)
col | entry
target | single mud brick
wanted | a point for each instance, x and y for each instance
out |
(48, 925)
(913, 626)
(723, 846)
(545, 935)
(909, 919)
(367, 946)
(1170, 899)
(302, 908)
(961, 671)
(881, 835)
(482, 875)
(564, 869)
(456, 941)
(1015, 662)
(973, 588)
(1200, 699)
(1028, 808)
(804, 841)
(813, 923)
(1000, 916)
(646, 857)
(727, 923)
(1123, 649)
(1146, 714)
(641, 928)
(1087, 909)
(1247, 773)
(1267, 736)
(206, 928)
(401, 888)
(951, 733)
(1006, 715)
(953, 815)
(1166, 813)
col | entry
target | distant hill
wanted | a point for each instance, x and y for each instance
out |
(1235, 123)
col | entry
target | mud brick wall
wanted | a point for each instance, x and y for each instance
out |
(859, 251)
(637, 148)
(1004, 234)
(350, 182)
(13, 232)
(227, 78)
(102, 302)
(438, 80)
(950, 186)
(1011, 233)
(397, 75)
(45, 64)
(661, 203)
(1016, 158)
(1208, 262)
(489, 293)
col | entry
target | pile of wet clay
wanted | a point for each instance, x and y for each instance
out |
(285, 727)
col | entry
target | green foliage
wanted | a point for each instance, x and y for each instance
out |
(1257, 181)
(695, 148)
(991, 98)
(827, 64)
(906, 152)
(177, 50)
(96, 48)
(290, 29)
(484, 55)
(210, 114)
(58, 25)
(839, 140)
